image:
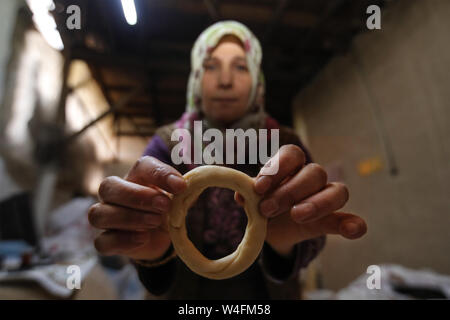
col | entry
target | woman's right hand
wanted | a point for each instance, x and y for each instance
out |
(133, 210)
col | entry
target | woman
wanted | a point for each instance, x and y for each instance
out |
(225, 90)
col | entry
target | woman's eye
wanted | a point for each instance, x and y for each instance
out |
(242, 68)
(209, 67)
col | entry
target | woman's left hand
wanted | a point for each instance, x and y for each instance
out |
(300, 204)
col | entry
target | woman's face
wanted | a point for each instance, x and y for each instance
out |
(226, 82)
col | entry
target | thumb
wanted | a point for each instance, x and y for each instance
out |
(239, 198)
(348, 225)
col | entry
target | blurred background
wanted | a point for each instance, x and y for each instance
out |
(84, 85)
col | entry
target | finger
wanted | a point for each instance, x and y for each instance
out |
(119, 242)
(308, 181)
(105, 216)
(149, 171)
(289, 159)
(331, 198)
(239, 198)
(115, 190)
(348, 225)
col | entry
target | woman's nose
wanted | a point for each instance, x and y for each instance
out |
(225, 79)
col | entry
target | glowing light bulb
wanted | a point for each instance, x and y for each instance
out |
(129, 10)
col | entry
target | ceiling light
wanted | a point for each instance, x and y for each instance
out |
(129, 10)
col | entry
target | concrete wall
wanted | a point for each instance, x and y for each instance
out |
(392, 86)
(8, 15)
(8, 9)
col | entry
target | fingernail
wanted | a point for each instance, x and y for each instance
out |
(176, 183)
(161, 203)
(268, 168)
(304, 211)
(262, 184)
(351, 228)
(268, 207)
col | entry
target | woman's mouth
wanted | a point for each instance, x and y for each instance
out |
(225, 100)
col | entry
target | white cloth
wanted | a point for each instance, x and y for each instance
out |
(68, 241)
(391, 276)
(53, 277)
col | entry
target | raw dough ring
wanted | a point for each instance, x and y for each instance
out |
(248, 250)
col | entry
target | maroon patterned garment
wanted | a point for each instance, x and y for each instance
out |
(225, 225)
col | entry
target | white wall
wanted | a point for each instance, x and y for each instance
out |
(402, 70)
(8, 10)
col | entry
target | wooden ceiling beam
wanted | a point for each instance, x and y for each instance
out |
(278, 15)
(243, 12)
(135, 63)
(161, 90)
(332, 8)
(213, 9)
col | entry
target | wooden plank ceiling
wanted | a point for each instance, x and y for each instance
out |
(298, 38)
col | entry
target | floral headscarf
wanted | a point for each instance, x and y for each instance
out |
(255, 116)
(203, 46)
